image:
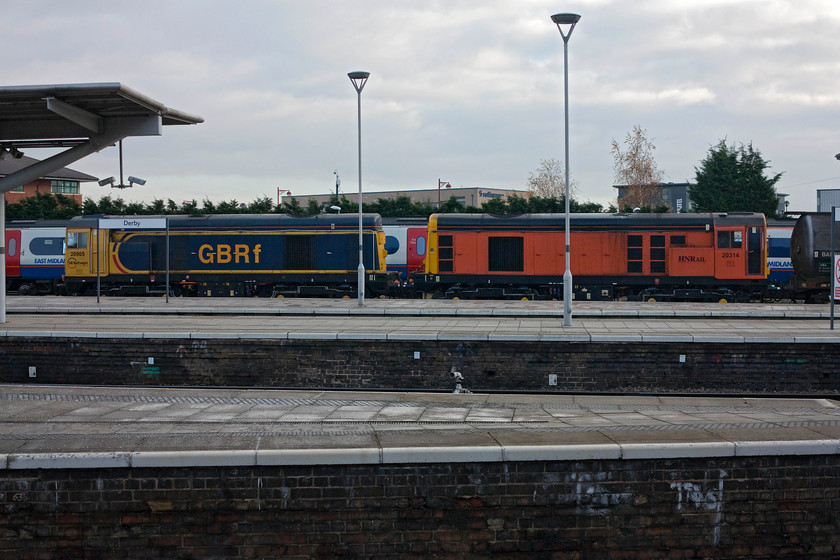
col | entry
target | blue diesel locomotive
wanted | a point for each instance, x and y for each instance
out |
(266, 255)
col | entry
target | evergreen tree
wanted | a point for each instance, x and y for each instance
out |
(136, 209)
(547, 205)
(313, 207)
(43, 206)
(494, 206)
(208, 207)
(292, 207)
(89, 207)
(731, 179)
(517, 204)
(262, 205)
(228, 207)
(157, 207)
(452, 206)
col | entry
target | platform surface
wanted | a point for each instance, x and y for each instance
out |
(129, 427)
(81, 427)
(384, 319)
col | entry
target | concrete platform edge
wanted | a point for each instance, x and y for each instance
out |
(418, 337)
(415, 455)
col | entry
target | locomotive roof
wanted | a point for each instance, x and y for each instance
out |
(598, 221)
(259, 221)
(38, 223)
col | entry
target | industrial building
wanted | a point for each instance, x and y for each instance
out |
(468, 196)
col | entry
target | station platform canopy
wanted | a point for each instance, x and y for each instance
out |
(84, 118)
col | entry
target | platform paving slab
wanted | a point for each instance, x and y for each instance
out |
(56, 426)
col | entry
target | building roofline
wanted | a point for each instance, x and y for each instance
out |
(11, 165)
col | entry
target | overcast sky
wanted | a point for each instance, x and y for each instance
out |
(470, 92)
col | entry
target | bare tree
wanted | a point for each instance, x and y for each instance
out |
(548, 181)
(635, 167)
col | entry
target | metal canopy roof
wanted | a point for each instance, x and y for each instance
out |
(84, 118)
(61, 115)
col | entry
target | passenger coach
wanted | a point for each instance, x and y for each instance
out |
(34, 256)
(691, 257)
(229, 255)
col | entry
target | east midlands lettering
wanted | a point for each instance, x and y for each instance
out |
(225, 254)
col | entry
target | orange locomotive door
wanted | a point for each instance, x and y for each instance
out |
(730, 253)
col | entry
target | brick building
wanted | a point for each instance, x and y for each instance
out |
(65, 181)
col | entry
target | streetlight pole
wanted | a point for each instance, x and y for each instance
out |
(359, 79)
(568, 21)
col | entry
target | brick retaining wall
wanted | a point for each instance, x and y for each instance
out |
(365, 364)
(755, 507)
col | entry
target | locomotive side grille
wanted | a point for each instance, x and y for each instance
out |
(299, 253)
(635, 254)
(506, 254)
(657, 254)
(446, 255)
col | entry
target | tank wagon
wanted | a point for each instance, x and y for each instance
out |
(810, 254)
(267, 255)
(655, 257)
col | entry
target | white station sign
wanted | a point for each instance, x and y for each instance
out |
(132, 223)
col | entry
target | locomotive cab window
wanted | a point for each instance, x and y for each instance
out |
(77, 240)
(730, 239)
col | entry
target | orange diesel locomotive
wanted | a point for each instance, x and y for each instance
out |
(653, 257)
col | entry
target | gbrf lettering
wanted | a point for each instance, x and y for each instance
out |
(225, 254)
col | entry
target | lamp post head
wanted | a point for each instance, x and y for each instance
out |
(565, 20)
(359, 80)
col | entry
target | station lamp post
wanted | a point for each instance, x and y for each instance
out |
(566, 24)
(359, 79)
